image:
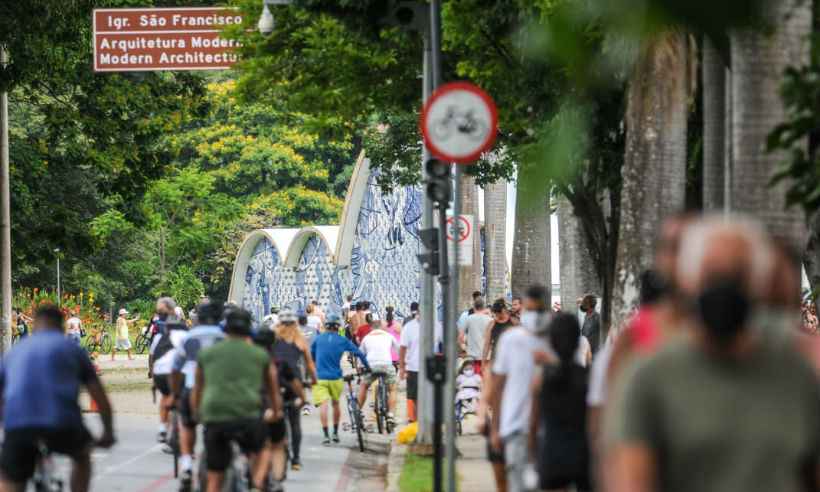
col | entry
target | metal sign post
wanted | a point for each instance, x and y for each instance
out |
(459, 123)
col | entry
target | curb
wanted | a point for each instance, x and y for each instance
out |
(395, 463)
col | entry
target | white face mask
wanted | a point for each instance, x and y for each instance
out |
(469, 372)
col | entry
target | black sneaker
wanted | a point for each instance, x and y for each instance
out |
(186, 479)
(336, 438)
(326, 441)
(162, 437)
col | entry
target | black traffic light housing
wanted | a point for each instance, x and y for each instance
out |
(439, 183)
(429, 261)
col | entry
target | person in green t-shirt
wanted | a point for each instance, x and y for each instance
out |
(227, 396)
(732, 407)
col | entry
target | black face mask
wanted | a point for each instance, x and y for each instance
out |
(724, 308)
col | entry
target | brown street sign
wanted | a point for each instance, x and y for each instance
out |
(132, 40)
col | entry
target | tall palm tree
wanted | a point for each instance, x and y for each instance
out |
(654, 170)
(531, 244)
(495, 238)
(578, 275)
(469, 276)
(759, 58)
(714, 127)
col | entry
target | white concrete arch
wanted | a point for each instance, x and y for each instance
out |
(328, 234)
(280, 238)
(350, 214)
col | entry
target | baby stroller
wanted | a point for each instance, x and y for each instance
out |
(468, 392)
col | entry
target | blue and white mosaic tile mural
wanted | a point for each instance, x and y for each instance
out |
(263, 279)
(383, 266)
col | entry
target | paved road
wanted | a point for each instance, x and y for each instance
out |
(137, 463)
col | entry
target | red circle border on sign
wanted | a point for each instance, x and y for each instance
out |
(467, 226)
(488, 142)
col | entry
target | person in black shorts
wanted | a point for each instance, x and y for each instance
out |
(227, 395)
(183, 372)
(50, 416)
(293, 397)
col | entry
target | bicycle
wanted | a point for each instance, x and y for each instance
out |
(142, 342)
(172, 440)
(382, 405)
(100, 342)
(237, 476)
(356, 423)
(45, 474)
(463, 123)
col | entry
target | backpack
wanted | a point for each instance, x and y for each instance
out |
(163, 346)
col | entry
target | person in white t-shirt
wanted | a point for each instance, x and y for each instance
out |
(314, 318)
(410, 358)
(272, 319)
(160, 363)
(74, 326)
(378, 346)
(509, 395)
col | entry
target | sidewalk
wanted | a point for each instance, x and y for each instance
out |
(474, 471)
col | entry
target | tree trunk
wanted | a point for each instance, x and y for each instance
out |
(469, 276)
(759, 58)
(714, 127)
(495, 237)
(654, 170)
(531, 247)
(578, 272)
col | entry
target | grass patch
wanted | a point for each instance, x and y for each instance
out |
(416, 474)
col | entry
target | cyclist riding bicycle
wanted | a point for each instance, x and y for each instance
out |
(327, 350)
(40, 380)
(378, 346)
(204, 335)
(230, 378)
(291, 349)
(160, 363)
(293, 396)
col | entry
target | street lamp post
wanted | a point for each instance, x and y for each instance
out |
(5, 215)
(266, 21)
(59, 287)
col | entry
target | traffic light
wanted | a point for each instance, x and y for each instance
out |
(429, 260)
(439, 185)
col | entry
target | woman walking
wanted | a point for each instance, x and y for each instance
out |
(559, 413)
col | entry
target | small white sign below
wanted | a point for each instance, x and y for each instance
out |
(460, 232)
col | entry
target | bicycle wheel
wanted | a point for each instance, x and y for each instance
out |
(173, 440)
(359, 427)
(381, 407)
(140, 344)
(106, 344)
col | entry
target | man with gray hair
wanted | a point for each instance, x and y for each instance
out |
(725, 407)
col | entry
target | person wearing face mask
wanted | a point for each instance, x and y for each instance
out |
(700, 414)
(591, 328)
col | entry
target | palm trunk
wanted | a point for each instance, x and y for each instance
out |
(578, 272)
(759, 58)
(714, 127)
(495, 234)
(469, 276)
(531, 246)
(654, 170)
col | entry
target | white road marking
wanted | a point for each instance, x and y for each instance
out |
(114, 468)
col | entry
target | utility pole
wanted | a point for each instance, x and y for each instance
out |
(59, 286)
(424, 407)
(5, 216)
(448, 280)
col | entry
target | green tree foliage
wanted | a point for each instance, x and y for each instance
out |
(234, 168)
